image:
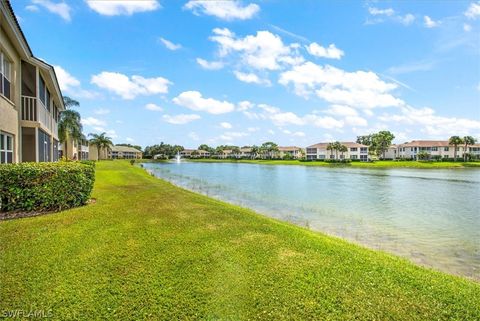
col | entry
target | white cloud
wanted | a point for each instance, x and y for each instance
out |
(122, 7)
(92, 121)
(423, 65)
(70, 84)
(473, 11)
(376, 12)
(210, 65)
(180, 119)
(280, 118)
(153, 107)
(432, 125)
(252, 129)
(65, 79)
(59, 8)
(193, 136)
(362, 89)
(429, 23)
(298, 134)
(101, 111)
(407, 20)
(170, 45)
(263, 51)
(341, 110)
(129, 88)
(225, 10)
(251, 78)
(32, 8)
(326, 122)
(467, 27)
(194, 101)
(245, 105)
(129, 139)
(331, 51)
(226, 125)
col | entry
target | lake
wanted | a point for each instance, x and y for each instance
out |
(431, 217)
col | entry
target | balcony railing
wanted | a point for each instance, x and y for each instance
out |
(34, 110)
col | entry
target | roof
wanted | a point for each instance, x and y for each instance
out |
(426, 143)
(124, 149)
(348, 144)
(288, 148)
(246, 150)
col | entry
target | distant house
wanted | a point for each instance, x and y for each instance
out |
(294, 151)
(354, 151)
(194, 153)
(79, 150)
(124, 152)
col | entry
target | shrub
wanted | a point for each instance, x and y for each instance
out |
(132, 161)
(45, 186)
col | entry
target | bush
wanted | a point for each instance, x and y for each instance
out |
(45, 186)
(132, 161)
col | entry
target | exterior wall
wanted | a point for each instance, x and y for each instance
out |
(360, 153)
(410, 152)
(9, 109)
(93, 153)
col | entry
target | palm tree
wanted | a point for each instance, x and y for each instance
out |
(69, 102)
(254, 151)
(342, 149)
(331, 147)
(467, 140)
(101, 141)
(455, 141)
(69, 127)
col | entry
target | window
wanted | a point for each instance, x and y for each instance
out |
(445, 149)
(353, 149)
(434, 149)
(332, 156)
(5, 75)
(311, 150)
(6, 148)
(363, 149)
(41, 88)
(354, 156)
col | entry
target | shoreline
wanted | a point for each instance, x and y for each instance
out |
(142, 247)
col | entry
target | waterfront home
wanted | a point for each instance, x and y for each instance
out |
(30, 98)
(391, 152)
(435, 149)
(75, 149)
(293, 151)
(245, 152)
(124, 152)
(354, 151)
(94, 154)
(194, 153)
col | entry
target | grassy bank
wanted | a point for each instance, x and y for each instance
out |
(377, 164)
(149, 250)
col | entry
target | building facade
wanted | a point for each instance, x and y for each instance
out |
(124, 152)
(354, 151)
(30, 98)
(435, 149)
(293, 151)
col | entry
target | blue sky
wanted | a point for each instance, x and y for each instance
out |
(245, 72)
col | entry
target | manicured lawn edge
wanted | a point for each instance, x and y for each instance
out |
(149, 250)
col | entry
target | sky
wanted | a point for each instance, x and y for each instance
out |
(246, 72)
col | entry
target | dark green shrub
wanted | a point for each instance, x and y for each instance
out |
(45, 186)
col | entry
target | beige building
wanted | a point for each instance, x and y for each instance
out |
(193, 153)
(294, 151)
(76, 150)
(354, 151)
(124, 152)
(30, 98)
(94, 155)
(435, 149)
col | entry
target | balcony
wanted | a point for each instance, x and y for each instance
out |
(34, 110)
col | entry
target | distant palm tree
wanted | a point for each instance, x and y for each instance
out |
(331, 147)
(69, 102)
(100, 141)
(342, 149)
(455, 141)
(69, 127)
(254, 151)
(467, 140)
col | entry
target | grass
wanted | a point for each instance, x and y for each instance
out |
(147, 250)
(376, 164)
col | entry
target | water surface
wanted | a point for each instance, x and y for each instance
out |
(430, 216)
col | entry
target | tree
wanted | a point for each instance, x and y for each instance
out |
(331, 147)
(130, 145)
(342, 149)
(236, 151)
(467, 140)
(423, 155)
(207, 148)
(382, 141)
(254, 151)
(69, 102)
(101, 141)
(269, 149)
(69, 127)
(195, 153)
(455, 141)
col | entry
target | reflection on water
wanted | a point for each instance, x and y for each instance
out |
(429, 216)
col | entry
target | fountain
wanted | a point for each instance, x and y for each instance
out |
(177, 157)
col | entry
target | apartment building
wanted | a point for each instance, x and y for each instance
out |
(192, 153)
(124, 152)
(30, 98)
(434, 148)
(77, 150)
(354, 151)
(293, 151)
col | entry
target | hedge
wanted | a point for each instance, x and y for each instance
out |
(45, 186)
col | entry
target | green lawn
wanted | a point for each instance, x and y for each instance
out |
(149, 250)
(377, 164)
